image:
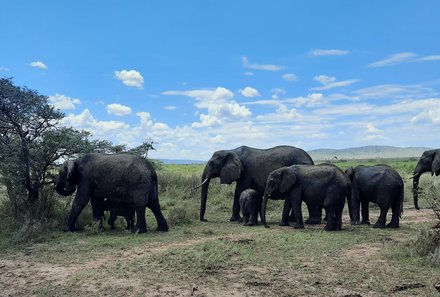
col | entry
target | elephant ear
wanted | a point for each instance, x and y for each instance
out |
(288, 179)
(435, 167)
(231, 170)
(349, 172)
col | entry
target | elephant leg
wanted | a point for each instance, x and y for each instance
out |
(331, 222)
(285, 215)
(245, 219)
(162, 224)
(382, 218)
(314, 214)
(98, 211)
(299, 224)
(338, 217)
(153, 204)
(141, 224)
(252, 220)
(112, 218)
(396, 214)
(81, 199)
(365, 213)
(236, 205)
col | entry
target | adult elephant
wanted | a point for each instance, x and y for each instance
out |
(429, 161)
(121, 177)
(378, 184)
(249, 168)
(324, 185)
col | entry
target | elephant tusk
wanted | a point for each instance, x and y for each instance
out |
(206, 179)
(415, 175)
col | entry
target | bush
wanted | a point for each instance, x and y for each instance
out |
(427, 244)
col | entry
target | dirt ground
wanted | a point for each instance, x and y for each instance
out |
(21, 274)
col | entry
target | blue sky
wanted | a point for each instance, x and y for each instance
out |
(199, 76)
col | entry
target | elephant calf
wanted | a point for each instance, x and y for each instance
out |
(379, 184)
(323, 185)
(117, 208)
(250, 204)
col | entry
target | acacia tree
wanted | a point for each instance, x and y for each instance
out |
(31, 141)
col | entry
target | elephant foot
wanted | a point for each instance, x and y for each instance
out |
(313, 221)
(163, 228)
(249, 224)
(292, 219)
(390, 225)
(379, 225)
(329, 228)
(140, 231)
(235, 219)
(298, 226)
(203, 220)
(284, 224)
(355, 222)
(69, 229)
(365, 222)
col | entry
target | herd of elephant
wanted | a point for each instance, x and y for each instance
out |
(126, 184)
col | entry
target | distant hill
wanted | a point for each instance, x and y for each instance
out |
(181, 162)
(367, 152)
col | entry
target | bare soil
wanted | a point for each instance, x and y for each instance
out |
(25, 275)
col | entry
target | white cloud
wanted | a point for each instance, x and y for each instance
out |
(277, 92)
(431, 114)
(118, 109)
(393, 60)
(249, 92)
(430, 58)
(290, 77)
(130, 78)
(283, 113)
(255, 66)
(86, 121)
(312, 100)
(324, 79)
(371, 128)
(329, 82)
(249, 73)
(170, 107)
(63, 102)
(395, 91)
(329, 52)
(218, 102)
(3, 68)
(38, 64)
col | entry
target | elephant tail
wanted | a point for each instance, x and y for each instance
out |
(401, 201)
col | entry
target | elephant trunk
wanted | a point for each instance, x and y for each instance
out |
(416, 178)
(205, 184)
(263, 210)
(63, 191)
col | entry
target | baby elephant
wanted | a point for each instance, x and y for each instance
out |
(250, 205)
(322, 185)
(118, 208)
(379, 184)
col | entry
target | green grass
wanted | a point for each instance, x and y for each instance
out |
(218, 257)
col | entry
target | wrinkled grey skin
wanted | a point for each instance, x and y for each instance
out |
(428, 162)
(249, 168)
(121, 177)
(324, 185)
(379, 184)
(117, 208)
(250, 205)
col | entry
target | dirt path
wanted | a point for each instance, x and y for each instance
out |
(24, 278)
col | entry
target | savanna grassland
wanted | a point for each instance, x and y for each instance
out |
(219, 258)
